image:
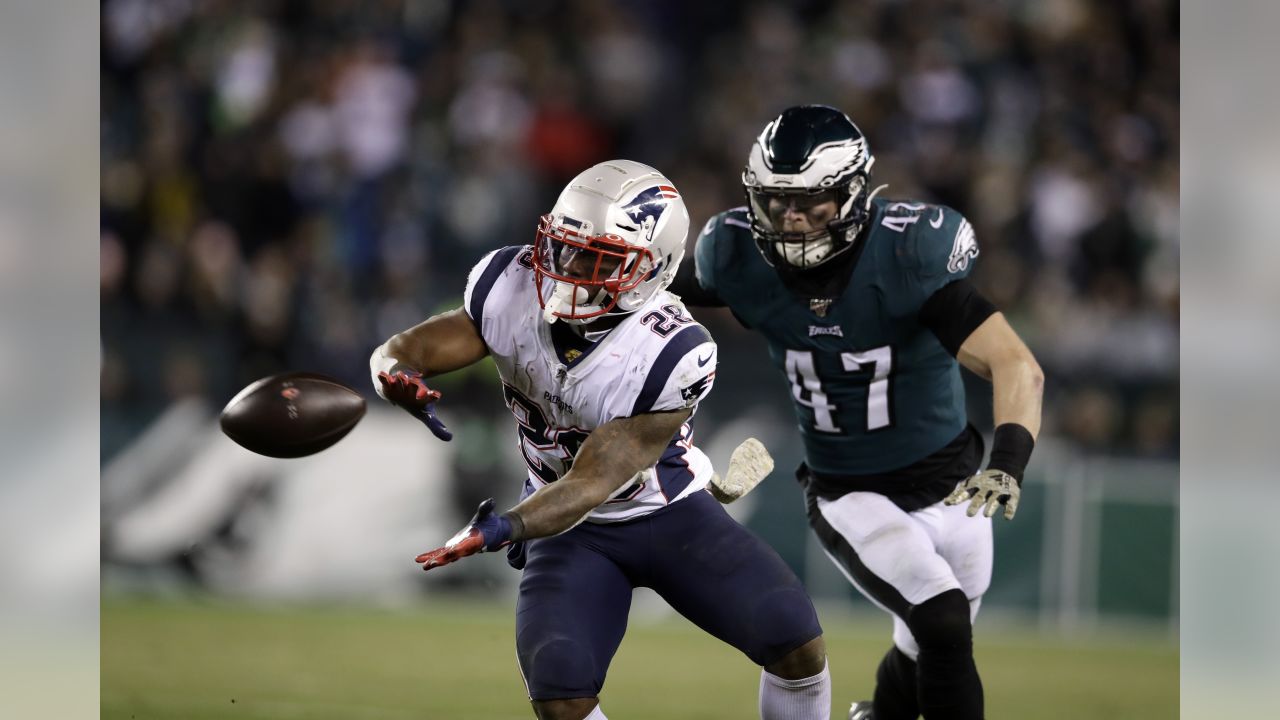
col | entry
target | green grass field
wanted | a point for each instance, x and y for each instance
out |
(447, 660)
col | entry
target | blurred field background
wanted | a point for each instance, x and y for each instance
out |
(284, 184)
(202, 660)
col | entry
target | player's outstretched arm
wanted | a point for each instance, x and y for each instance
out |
(995, 352)
(612, 454)
(607, 461)
(440, 344)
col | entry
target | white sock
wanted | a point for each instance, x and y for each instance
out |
(596, 714)
(804, 699)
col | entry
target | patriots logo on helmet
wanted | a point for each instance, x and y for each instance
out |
(647, 207)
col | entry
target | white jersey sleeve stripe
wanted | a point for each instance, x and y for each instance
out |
(478, 287)
(671, 355)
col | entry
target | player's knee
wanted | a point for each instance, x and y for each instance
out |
(942, 621)
(783, 622)
(565, 709)
(896, 670)
(559, 665)
(803, 662)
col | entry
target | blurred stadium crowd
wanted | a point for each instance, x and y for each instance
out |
(285, 183)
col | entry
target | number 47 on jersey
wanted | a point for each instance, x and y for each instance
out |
(809, 390)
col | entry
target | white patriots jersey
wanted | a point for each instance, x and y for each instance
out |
(658, 359)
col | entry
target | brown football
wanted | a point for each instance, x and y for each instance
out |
(292, 414)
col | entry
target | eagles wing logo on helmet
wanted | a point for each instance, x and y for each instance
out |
(842, 158)
(647, 207)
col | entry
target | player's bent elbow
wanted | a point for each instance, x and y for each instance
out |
(1032, 371)
(1019, 368)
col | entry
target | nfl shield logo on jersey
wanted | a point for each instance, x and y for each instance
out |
(820, 307)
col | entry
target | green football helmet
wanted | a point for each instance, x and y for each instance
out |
(811, 160)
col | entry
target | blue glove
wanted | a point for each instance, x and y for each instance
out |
(485, 533)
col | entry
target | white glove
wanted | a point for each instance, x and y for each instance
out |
(748, 465)
(989, 488)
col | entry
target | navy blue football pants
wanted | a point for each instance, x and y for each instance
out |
(576, 593)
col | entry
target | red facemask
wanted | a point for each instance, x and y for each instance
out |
(588, 263)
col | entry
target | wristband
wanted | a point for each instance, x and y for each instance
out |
(380, 362)
(1011, 450)
(516, 524)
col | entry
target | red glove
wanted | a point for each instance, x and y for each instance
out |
(407, 389)
(486, 532)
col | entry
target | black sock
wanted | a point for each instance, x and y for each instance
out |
(895, 697)
(946, 676)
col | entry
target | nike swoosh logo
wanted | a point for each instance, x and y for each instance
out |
(704, 361)
(937, 223)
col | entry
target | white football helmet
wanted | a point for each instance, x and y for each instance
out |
(614, 238)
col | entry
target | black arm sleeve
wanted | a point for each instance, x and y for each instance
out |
(690, 291)
(954, 312)
(1011, 450)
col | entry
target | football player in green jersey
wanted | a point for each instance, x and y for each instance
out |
(867, 309)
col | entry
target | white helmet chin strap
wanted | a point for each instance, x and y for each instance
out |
(562, 300)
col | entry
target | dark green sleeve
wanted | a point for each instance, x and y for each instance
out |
(704, 254)
(941, 249)
(718, 261)
(694, 280)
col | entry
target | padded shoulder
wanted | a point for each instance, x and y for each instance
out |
(484, 276)
(943, 244)
(718, 245)
(681, 374)
(935, 246)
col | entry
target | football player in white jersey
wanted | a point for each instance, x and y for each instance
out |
(603, 370)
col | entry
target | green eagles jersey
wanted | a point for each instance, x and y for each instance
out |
(873, 390)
